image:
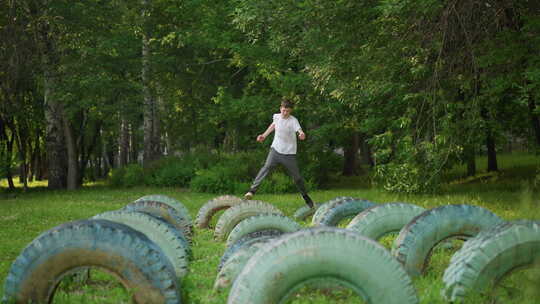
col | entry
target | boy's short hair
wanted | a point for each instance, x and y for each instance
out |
(287, 104)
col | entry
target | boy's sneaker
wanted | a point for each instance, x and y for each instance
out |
(308, 200)
(248, 195)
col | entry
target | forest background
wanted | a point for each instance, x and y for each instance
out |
(173, 93)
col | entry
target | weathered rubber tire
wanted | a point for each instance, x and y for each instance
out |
(316, 219)
(288, 263)
(491, 256)
(138, 263)
(234, 265)
(171, 241)
(304, 212)
(260, 222)
(415, 241)
(344, 209)
(164, 212)
(207, 211)
(248, 240)
(380, 220)
(176, 204)
(232, 216)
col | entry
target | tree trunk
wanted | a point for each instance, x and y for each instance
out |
(54, 131)
(491, 153)
(7, 159)
(21, 133)
(230, 141)
(123, 143)
(365, 149)
(350, 161)
(470, 160)
(150, 109)
(535, 120)
(72, 155)
(86, 152)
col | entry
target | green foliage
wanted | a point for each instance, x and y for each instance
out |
(176, 171)
(411, 167)
(219, 179)
(128, 176)
(133, 175)
(116, 177)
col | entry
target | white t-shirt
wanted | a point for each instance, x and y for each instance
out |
(285, 134)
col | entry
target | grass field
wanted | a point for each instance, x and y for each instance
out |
(511, 194)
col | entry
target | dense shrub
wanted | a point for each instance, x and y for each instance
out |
(116, 177)
(134, 175)
(280, 182)
(220, 179)
(225, 172)
(172, 171)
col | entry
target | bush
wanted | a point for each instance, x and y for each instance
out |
(171, 171)
(280, 182)
(116, 177)
(220, 179)
(134, 175)
(129, 176)
(222, 173)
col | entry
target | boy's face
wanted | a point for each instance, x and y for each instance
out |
(285, 112)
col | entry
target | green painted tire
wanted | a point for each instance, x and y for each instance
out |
(259, 222)
(138, 263)
(171, 241)
(304, 212)
(207, 211)
(176, 204)
(248, 240)
(234, 215)
(415, 241)
(165, 212)
(234, 265)
(343, 210)
(490, 256)
(319, 213)
(380, 220)
(324, 253)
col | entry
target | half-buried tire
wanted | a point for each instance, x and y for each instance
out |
(316, 219)
(380, 220)
(138, 263)
(207, 211)
(234, 265)
(248, 240)
(176, 204)
(345, 209)
(285, 265)
(234, 215)
(259, 222)
(171, 241)
(164, 212)
(304, 212)
(491, 256)
(416, 240)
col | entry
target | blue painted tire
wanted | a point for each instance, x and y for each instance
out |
(322, 254)
(343, 210)
(379, 220)
(415, 241)
(130, 255)
(171, 241)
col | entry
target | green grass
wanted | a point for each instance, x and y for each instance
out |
(23, 216)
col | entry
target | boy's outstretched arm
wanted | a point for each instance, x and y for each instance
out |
(263, 136)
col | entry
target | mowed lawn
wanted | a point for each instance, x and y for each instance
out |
(511, 194)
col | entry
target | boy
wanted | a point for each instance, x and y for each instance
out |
(283, 149)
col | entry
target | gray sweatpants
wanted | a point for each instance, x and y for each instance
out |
(287, 160)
